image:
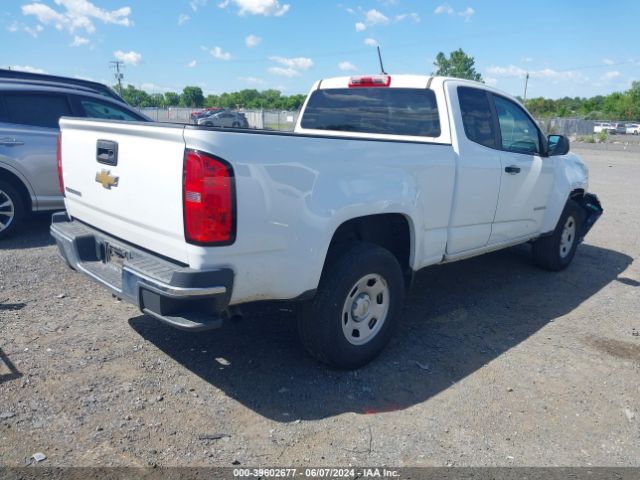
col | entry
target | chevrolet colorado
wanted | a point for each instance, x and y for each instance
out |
(383, 175)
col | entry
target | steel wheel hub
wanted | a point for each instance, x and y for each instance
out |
(365, 309)
(568, 236)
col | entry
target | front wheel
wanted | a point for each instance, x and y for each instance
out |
(555, 252)
(355, 311)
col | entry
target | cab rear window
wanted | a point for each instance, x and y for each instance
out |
(391, 111)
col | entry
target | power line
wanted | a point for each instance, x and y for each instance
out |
(119, 76)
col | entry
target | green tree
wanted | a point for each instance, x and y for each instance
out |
(171, 99)
(458, 64)
(192, 97)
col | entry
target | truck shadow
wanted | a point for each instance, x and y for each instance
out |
(458, 318)
(33, 233)
(8, 371)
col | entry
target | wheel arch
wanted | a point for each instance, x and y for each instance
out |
(392, 231)
(19, 184)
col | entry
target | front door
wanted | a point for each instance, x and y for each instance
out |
(527, 175)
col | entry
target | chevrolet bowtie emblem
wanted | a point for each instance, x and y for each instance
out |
(107, 180)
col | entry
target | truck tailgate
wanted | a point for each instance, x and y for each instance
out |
(136, 194)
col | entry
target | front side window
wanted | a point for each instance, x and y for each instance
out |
(97, 109)
(391, 111)
(519, 133)
(477, 118)
(36, 109)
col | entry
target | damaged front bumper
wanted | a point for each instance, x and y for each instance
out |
(593, 210)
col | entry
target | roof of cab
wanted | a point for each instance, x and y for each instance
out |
(406, 81)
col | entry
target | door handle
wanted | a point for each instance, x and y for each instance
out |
(9, 142)
(512, 169)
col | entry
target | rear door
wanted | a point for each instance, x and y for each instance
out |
(28, 140)
(527, 175)
(478, 169)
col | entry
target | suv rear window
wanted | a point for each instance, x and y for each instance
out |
(36, 109)
(391, 111)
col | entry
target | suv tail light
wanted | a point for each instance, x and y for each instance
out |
(208, 200)
(59, 159)
(370, 81)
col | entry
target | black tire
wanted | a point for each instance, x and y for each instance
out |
(320, 321)
(13, 212)
(552, 252)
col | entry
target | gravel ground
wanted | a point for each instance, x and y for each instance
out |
(497, 363)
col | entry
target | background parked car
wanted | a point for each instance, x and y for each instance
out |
(620, 128)
(29, 113)
(633, 128)
(225, 119)
(604, 127)
(205, 112)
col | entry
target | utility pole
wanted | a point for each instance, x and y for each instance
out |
(526, 83)
(119, 76)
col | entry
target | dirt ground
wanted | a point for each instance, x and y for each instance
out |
(497, 363)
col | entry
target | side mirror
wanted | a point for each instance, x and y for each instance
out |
(558, 145)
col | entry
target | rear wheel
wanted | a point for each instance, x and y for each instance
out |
(556, 251)
(11, 209)
(355, 311)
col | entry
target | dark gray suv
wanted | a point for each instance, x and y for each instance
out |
(29, 112)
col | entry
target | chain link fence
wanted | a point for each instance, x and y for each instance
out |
(282, 120)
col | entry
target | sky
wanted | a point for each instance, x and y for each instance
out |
(569, 48)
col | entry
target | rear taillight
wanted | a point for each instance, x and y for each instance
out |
(209, 200)
(59, 160)
(370, 81)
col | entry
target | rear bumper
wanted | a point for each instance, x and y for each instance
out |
(175, 294)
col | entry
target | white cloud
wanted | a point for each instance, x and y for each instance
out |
(360, 27)
(78, 41)
(608, 61)
(183, 18)
(192, 64)
(291, 67)
(372, 42)
(252, 80)
(27, 68)
(284, 72)
(443, 9)
(414, 17)
(196, 4)
(267, 8)
(130, 58)
(217, 52)
(17, 27)
(252, 41)
(76, 15)
(374, 17)
(527, 59)
(491, 81)
(611, 75)
(298, 63)
(546, 73)
(467, 13)
(347, 66)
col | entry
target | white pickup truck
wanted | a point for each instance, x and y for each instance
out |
(384, 175)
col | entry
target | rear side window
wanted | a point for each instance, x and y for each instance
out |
(392, 111)
(477, 117)
(97, 109)
(36, 109)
